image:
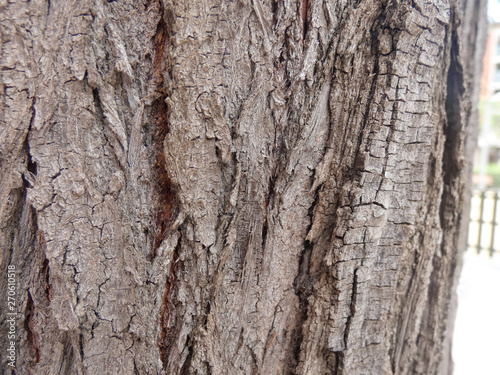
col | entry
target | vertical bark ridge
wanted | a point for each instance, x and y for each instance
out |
(374, 239)
(100, 205)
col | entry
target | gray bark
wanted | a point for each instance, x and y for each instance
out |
(235, 187)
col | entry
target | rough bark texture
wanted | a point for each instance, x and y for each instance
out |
(235, 187)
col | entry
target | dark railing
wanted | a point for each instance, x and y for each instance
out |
(484, 226)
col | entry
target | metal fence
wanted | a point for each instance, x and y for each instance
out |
(484, 226)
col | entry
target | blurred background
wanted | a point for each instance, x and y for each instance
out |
(476, 341)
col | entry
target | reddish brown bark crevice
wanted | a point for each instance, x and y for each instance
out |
(166, 333)
(304, 7)
(162, 184)
(163, 191)
(29, 326)
(39, 296)
(44, 282)
(164, 319)
(159, 113)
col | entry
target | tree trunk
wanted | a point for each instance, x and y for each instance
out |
(235, 187)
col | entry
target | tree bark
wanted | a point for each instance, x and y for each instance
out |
(235, 187)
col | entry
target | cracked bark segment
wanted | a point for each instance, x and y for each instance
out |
(376, 216)
(89, 123)
(235, 187)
